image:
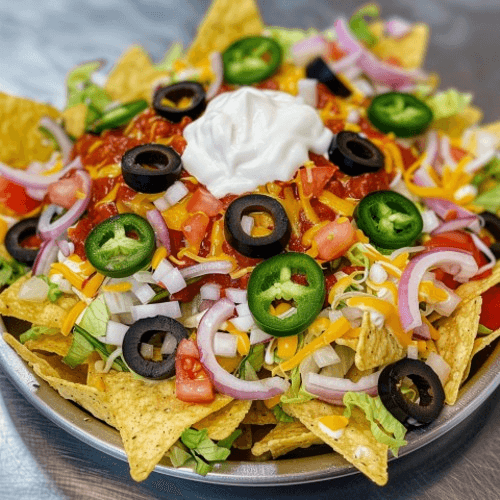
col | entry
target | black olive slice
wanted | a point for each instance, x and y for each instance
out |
(491, 223)
(256, 247)
(151, 168)
(355, 155)
(495, 248)
(174, 93)
(15, 236)
(430, 390)
(319, 70)
(142, 331)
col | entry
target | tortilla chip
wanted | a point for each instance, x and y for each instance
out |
(20, 140)
(259, 414)
(150, 418)
(456, 125)
(224, 422)
(357, 437)
(352, 343)
(40, 313)
(57, 343)
(410, 49)
(132, 76)
(479, 344)
(473, 289)
(245, 441)
(455, 344)
(376, 346)
(74, 119)
(355, 374)
(286, 437)
(224, 22)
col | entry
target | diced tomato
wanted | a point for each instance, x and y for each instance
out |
(334, 239)
(203, 201)
(195, 227)
(490, 307)
(393, 61)
(315, 179)
(463, 241)
(63, 191)
(457, 153)
(192, 383)
(14, 197)
(334, 51)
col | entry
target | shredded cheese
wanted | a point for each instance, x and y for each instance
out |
(337, 204)
(287, 346)
(72, 316)
(92, 285)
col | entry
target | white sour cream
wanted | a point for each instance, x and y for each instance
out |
(249, 137)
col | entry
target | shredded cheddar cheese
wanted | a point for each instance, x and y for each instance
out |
(72, 316)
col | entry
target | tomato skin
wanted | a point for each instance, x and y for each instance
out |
(315, 180)
(334, 239)
(192, 384)
(490, 307)
(204, 201)
(14, 197)
(195, 227)
(63, 191)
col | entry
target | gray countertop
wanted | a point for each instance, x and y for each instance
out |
(40, 42)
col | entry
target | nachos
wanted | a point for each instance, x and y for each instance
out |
(275, 230)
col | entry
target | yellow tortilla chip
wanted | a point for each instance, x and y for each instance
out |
(57, 343)
(259, 414)
(409, 50)
(225, 22)
(245, 441)
(352, 343)
(473, 289)
(132, 76)
(74, 119)
(20, 140)
(376, 346)
(455, 344)
(456, 125)
(356, 444)
(150, 418)
(224, 422)
(286, 437)
(479, 344)
(40, 313)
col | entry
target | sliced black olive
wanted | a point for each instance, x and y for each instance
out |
(319, 70)
(256, 247)
(142, 331)
(174, 93)
(355, 155)
(492, 224)
(430, 391)
(151, 168)
(15, 236)
(495, 248)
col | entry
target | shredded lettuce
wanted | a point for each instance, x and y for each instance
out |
(10, 271)
(357, 257)
(172, 54)
(359, 26)
(179, 455)
(54, 291)
(296, 393)
(281, 415)
(385, 428)
(483, 330)
(96, 317)
(35, 332)
(489, 200)
(490, 170)
(252, 363)
(448, 103)
(287, 38)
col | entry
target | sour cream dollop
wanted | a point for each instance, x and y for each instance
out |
(249, 137)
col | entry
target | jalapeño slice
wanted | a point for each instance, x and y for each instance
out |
(121, 245)
(118, 116)
(251, 60)
(273, 280)
(402, 114)
(389, 219)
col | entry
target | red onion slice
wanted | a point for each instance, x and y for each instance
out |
(60, 135)
(332, 389)
(305, 50)
(461, 264)
(223, 381)
(455, 224)
(218, 69)
(342, 65)
(65, 247)
(482, 247)
(422, 332)
(211, 267)
(156, 219)
(46, 256)
(398, 27)
(52, 231)
(445, 208)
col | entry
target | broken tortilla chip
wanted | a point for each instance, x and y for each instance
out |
(479, 344)
(56, 343)
(356, 444)
(74, 119)
(473, 289)
(245, 440)
(284, 438)
(456, 125)
(455, 344)
(44, 313)
(225, 22)
(259, 414)
(20, 140)
(223, 423)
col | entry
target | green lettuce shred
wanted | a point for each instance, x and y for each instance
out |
(252, 363)
(359, 26)
(490, 171)
(54, 291)
(172, 54)
(448, 103)
(281, 415)
(296, 393)
(35, 332)
(385, 428)
(10, 271)
(96, 317)
(357, 257)
(483, 330)
(489, 200)
(287, 38)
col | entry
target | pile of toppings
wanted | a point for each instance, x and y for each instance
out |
(289, 220)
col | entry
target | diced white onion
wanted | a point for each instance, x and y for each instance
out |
(247, 224)
(378, 274)
(225, 344)
(364, 87)
(269, 353)
(243, 323)
(163, 268)
(353, 116)
(161, 204)
(439, 365)
(326, 356)
(169, 309)
(34, 290)
(431, 221)
(308, 91)
(111, 359)
(144, 277)
(176, 192)
(115, 332)
(169, 344)
(118, 302)
(146, 351)
(210, 291)
(63, 284)
(412, 351)
(334, 315)
(377, 319)
(236, 295)
(258, 336)
(243, 309)
(144, 293)
(173, 281)
(352, 72)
